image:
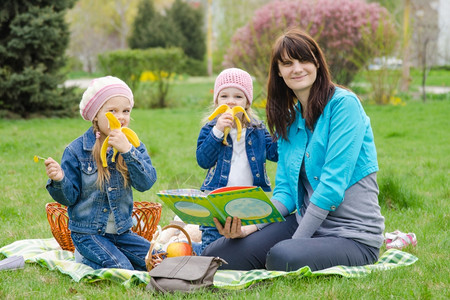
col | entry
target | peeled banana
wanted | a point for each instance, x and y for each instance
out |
(234, 111)
(115, 124)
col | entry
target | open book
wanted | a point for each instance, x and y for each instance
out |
(248, 203)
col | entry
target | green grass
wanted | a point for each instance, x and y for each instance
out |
(413, 150)
(435, 77)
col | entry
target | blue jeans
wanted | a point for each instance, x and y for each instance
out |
(124, 251)
(209, 235)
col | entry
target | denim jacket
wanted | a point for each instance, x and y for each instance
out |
(212, 154)
(340, 152)
(88, 206)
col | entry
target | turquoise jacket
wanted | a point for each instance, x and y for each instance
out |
(340, 152)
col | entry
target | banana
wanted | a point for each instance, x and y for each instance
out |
(115, 124)
(233, 111)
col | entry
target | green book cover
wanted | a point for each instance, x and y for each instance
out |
(250, 204)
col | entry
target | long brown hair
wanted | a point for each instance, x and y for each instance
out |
(103, 173)
(281, 100)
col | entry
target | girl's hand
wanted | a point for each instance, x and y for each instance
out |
(118, 140)
(54, 171)
(233, 229)
(224, 120)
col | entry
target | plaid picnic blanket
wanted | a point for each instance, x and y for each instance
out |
(47, 253)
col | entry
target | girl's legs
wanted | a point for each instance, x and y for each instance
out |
(250, 252)
(125, 251)
(319, 253)
(135, 248)
(209, 235)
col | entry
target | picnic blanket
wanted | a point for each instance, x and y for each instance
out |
(48, 254)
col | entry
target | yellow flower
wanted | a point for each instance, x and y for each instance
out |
(260, 104)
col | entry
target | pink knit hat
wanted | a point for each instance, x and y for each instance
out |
(101, 90)
(235, 78)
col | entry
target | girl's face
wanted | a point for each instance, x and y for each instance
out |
(232, 97)
(299, 76)
(120, 107)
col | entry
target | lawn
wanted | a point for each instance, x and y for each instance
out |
(413, 150)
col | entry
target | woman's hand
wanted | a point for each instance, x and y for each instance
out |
(225, 120)
(118, 140)
(53, 169)
(233, 229)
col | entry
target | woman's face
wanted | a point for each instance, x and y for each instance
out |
(298, 76)
(120, 107)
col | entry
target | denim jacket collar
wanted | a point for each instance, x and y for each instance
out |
(89, 139)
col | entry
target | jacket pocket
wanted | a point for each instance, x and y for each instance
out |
(88, 167)
(88, 175)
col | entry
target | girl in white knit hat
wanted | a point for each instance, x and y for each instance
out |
(98, 192)
(237, 158)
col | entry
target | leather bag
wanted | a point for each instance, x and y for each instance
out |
(184, 274)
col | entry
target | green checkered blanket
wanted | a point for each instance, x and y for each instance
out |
(47, 253)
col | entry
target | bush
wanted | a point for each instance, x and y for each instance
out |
(337, 25)
(129, 65)
(33, 39)
(195, 67)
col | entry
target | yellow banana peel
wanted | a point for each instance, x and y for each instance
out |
(130, 134)
(233, 111)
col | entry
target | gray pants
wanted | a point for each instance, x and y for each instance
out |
(273, 248)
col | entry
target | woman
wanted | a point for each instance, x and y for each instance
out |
(325, 183)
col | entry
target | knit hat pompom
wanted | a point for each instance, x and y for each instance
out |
(101, 90)
(235, 78)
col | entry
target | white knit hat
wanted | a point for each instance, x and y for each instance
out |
(101, 90)
(236, 78)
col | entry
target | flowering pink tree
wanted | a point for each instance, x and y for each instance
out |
(339, 26)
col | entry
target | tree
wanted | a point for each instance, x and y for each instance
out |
(151, 29)
(426, 32)
(229, 15)
(181, 27)
(33, 39)
(97, 26)
(337, 25)
(189, 21)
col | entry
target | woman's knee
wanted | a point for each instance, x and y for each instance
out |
(287, 255)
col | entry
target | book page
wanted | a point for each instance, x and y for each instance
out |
(250, 204)
(191, 206)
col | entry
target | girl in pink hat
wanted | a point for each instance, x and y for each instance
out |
(241, 159)
(100, 199)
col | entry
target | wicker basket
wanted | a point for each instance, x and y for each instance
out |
(153, 259)
(146, 214)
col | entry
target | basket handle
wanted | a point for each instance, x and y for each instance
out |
(158, 233)
(179, 228)
(149, 258)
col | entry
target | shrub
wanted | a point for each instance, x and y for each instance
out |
(33, 39)
(337, 25)
(382, 73)
(128, 65)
